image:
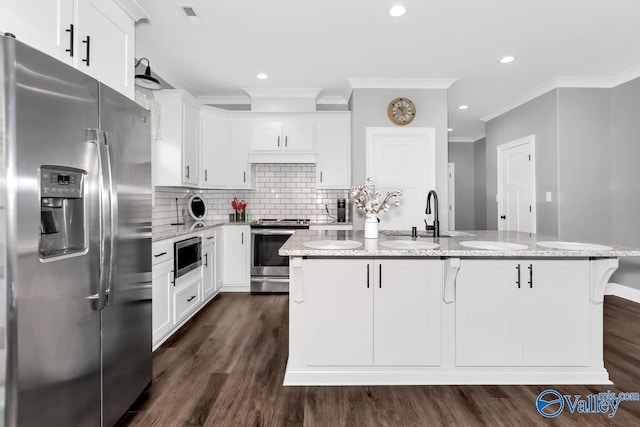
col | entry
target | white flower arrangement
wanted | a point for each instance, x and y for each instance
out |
(368, 200)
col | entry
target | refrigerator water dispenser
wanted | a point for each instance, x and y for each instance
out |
(62, 215)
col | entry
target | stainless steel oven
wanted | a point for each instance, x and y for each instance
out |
(270, 271)
(188, 255)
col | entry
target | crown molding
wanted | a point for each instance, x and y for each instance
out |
(224, 100)
(256, 92)
(332, 100)
(568, 82)
(133, 9)
(161, 70)
(382, 83)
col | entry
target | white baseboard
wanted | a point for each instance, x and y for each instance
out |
(232, 288)
(622, 291)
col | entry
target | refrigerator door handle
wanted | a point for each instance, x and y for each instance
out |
(113, 223)
(95, 136)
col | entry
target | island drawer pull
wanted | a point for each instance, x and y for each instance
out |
(518, 281)
(530, 276)
(380, 275)
(367, 276)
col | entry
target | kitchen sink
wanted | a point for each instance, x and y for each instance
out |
(408, 244)
(491, 245)
(332, 244)
(574, 246)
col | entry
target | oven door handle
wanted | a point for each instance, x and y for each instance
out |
(271, 232)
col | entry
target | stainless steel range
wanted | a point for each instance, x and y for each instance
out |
(270, 271)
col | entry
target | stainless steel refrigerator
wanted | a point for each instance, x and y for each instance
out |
(75, 244)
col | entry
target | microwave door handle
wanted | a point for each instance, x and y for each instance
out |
(113, 225)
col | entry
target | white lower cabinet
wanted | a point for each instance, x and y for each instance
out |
(382, 312)
(236, 245)
(208, 266)
(523, 313)
(187, 297)
(162, 305)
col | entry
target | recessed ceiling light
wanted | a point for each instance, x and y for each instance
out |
(449, 130)
(397, 10)
(261, 76)
(463, 107)
(507, 59)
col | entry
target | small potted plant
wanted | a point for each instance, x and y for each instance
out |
(367, 199)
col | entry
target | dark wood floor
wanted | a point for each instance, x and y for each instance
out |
(225, 368)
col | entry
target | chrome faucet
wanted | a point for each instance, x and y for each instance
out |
(436, 224)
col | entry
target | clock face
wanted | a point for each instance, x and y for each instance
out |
(401, 111)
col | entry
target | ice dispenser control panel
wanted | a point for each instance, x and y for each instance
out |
(60, 183)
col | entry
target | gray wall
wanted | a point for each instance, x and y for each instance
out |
(625, 177)
(461, 154)
(537, 117)
(584, 167)
(369, 108)
(480, 180)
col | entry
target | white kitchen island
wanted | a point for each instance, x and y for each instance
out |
(446, 315)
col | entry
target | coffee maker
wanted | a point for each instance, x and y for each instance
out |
(342, 210)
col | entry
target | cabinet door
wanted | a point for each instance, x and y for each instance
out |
(556, 313)
(240, 169)
(215, 142)
(208, 271)
(266, 135)
(489, 313)
(333, 167)
(235, 255)
(108, 55)
(218, 260)
(44, 24)
(190, 133)
(162, 306)
(299, 135)
(406, 321)
(339, 301)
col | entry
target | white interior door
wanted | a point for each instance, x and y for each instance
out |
(452, 195)
(516, 186)
(402, 159)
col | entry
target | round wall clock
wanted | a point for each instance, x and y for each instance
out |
(401, 111)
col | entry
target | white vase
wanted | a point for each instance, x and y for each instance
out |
(371, 226)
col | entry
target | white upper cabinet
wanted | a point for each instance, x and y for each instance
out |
(240, 176)
(176, 153)
(96, 37)
(282, 139)
(215, 143)
(333, 164)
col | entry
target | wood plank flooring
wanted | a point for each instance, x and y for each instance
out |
(225, 368)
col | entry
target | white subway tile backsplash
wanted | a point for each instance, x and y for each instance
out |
(281, 191)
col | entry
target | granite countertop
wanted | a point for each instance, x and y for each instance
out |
(449, 246)
(164, 232)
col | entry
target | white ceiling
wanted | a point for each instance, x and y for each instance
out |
(322, 43)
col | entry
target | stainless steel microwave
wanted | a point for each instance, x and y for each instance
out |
(188, 255)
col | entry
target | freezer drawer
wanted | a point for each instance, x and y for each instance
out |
(187, 300)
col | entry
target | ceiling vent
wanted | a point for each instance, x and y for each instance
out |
(190, 13)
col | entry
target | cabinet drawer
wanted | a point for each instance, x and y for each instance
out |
(208, 236)
(161, 251)
(186, 300)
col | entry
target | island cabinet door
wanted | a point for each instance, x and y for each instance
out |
(339, 301)
(489, 313)
(406, 321)
(556, 303)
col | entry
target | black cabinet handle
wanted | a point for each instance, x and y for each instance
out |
(518, 281)
(87, 60)
(530, 276)
(191, 299)
(187, 171)
(210, 237)
(160, 254)
(244, 176)
(242, 238)
(380, 276)
(286, 139)
(367, 276)
(205, 175)
(503, 217)
(278, 141)
(70, 31)
(206, 260)
(320, 176)
(173, 282)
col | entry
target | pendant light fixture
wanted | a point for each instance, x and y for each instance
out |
(145, 80)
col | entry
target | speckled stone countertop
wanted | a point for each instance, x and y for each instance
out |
(449, 246)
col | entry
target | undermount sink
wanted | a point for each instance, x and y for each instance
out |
(332, 244)
(493, 245)
(574, 246)
(408, 244)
